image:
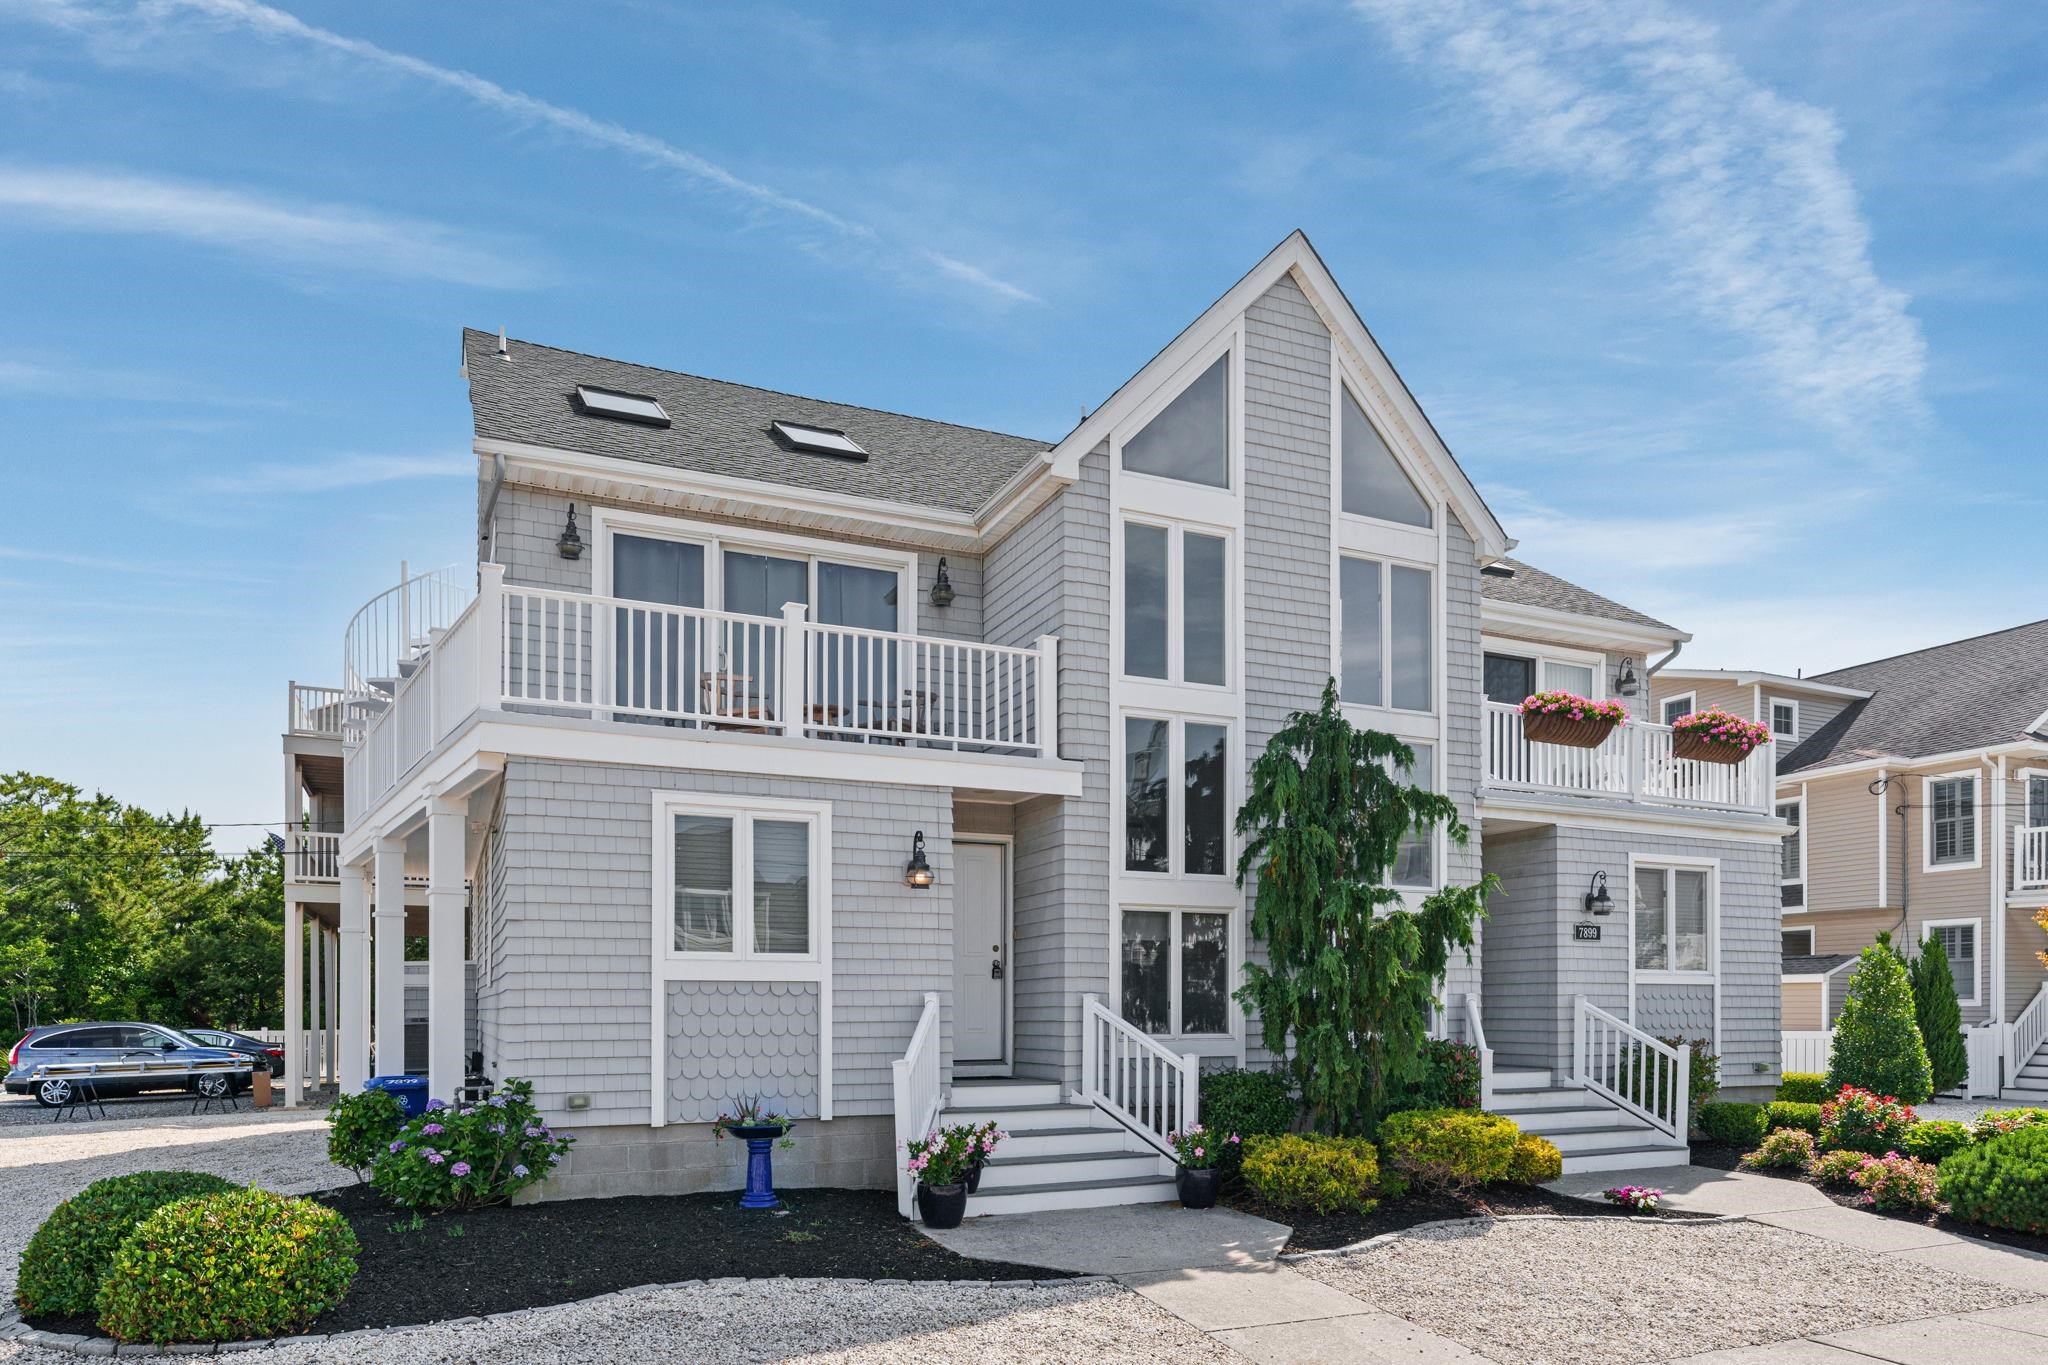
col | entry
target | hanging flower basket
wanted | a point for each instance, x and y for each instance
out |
(1715, 736)
(1571, 720)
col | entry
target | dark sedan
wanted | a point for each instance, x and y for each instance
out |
(270, 1055)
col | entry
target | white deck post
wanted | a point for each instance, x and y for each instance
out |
(294, 1002)
(353, 980)
(490, 640)
(789, 683)
(316, 997)
(447, 1009)
(332, 1006)
(1048, 696)
(1091, 1081)
(1578, 1039)
(389, 948)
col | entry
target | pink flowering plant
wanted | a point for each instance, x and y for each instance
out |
(1898, 1182)
(1197, 1149)
(1716, 726)
(1861, 1121)
(468, 1156)
(983, 1141)
(1572, 706)
(1637, 1198)
(942, 1156)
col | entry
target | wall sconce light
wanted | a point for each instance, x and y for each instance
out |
(918, 872)
(571, 543)
(942, 587)
(1598, 902)
(1625, 683)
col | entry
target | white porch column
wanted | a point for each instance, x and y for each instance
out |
(353, 983)
(447, 1006)
(294, 999)
(316, 997)
(389, 947)
(333, 1007)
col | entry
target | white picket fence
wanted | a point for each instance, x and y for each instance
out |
(1807, 1050)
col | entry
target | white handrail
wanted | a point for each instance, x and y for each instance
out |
(918, 1096)
(1475, 1033)
(1631, 1069)
(1636, 762)
(2029, 857)
(1133, 1079)
(315, 710)
(315, 855)
(2029, 1031)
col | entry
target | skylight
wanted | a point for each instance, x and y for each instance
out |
(626, 407)
(823, 440)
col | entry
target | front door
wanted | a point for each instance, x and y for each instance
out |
(981, 957)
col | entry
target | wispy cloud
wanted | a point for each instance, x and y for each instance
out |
(1746, 208)
(330, 236)
(334, 474)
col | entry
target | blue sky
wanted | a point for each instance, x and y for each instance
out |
(1734, 312)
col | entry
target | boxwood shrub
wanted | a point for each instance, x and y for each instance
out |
(1784, 1147)
(227, 1267)
(1309, 1171)
(1738, 1125)
(1798, 1114)
(67, 1257)
(1936, 1139)
(1448, 1149)
(1248, 1103)
(1804, 1087)
(1534, 1160)
(2003, 1182)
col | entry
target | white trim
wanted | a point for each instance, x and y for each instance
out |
(1008, 844)
(1806, 929)
(1771, 705)
(1883, 835)
(1742, 678)
(1975, 777)
(1913, 762)
(1709, 975)
(2001, 877)
(1542, 653)
(1976, 924)
(1598, 632)
(1579, 812)
(1691, 700)
(1805, 851)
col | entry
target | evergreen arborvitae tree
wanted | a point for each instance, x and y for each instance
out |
(1939, 1016)
(1350, 978)
(1877, 1040)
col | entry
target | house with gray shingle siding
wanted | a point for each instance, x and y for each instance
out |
(885, 769)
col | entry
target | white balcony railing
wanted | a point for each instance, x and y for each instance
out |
(311, 856)
(1634, 763)
(315, 711)
(542, 651)
(2030, 857)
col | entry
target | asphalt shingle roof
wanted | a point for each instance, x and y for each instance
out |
(723, 428)
(1814, 964)
(1531, 587)
(1981, 691)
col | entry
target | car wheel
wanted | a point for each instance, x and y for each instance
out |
(52, 1094)
(212, 1087)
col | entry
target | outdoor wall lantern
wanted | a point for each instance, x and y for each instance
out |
(1625, 684)
(919, 872)
(1598, 902)
(942, 587)
(571, 543)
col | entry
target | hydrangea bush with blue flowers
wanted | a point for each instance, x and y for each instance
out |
(468, 1156)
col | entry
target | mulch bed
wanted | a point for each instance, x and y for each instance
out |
(1325, 1232)
(494, 1260)
(1726, 1157)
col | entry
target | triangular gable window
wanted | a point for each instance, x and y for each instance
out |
(1375, 485)
(1190, 438)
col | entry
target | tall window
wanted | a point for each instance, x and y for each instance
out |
(2037, 802)
(1673, 919)
(1189, 439)
(1792, 856)
(1176, 971)
(1784, 719)
(1176, 826)
(1958, 939)
(1375, 485)
(1387, 640)
(740, 883)
(1176, 604)
(1415, 864)
(1952, 821)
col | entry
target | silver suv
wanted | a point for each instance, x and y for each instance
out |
(55, 1062)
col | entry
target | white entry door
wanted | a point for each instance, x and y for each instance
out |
(981, 957)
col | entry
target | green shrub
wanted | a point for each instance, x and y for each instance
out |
(1792, 1114)
(1997, 1122)
(1862, 1122)
(1449, 1080)
(1892, 1181)
(1448, 1149)
(2003, 1182)
(1534, 1160)
(1248, 1103)
(1804, 1087)
(67, 1257)
(1782, 1148)
(1738, 1125)
(228, 1267)
(1309, 1171)
(467, 1157)
(1837, 1167)
(1877, 1038)
(360, 1128)
(1939, 1016)
(1936, 1139)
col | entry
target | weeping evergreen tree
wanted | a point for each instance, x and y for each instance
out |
(1939, 1016)
(1877, 1039)
(1351, 974)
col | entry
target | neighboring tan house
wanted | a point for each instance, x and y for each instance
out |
(886, 769)
(1918, 788)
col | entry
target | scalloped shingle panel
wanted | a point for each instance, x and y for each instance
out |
(730, 1040)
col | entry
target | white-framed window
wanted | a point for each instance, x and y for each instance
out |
(1187, 439)
(1176, 607)
(1372, 481)
(1796, 942)
(2037, 800)
(1415, 866)
(1959, 940)
(1671, 708)
(1674, 918)
(1386, 634)
(1784, 718)
(1177, 796)
(1948, 826)
(1175, 970)
(1511, 670)
(740, 883)
(1792, 854)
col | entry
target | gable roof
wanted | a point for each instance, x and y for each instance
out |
(718, 427)
(1750, 677)
(1968, 694)
(1815, 964)
(1530, 586)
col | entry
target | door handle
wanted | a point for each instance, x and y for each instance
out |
(995, 970)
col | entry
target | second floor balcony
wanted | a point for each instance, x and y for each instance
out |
(2030, 858)
(1636, 763)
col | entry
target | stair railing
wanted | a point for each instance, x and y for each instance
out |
(1630, 1069)
(1475, 1033)
(1133, 1079)
(919, 1097)
(2029, 1032)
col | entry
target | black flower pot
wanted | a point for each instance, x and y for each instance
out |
(943, 1206)
(974, 1176)
(1197, 1188)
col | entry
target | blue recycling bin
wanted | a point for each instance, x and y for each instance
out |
(411, 1092)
